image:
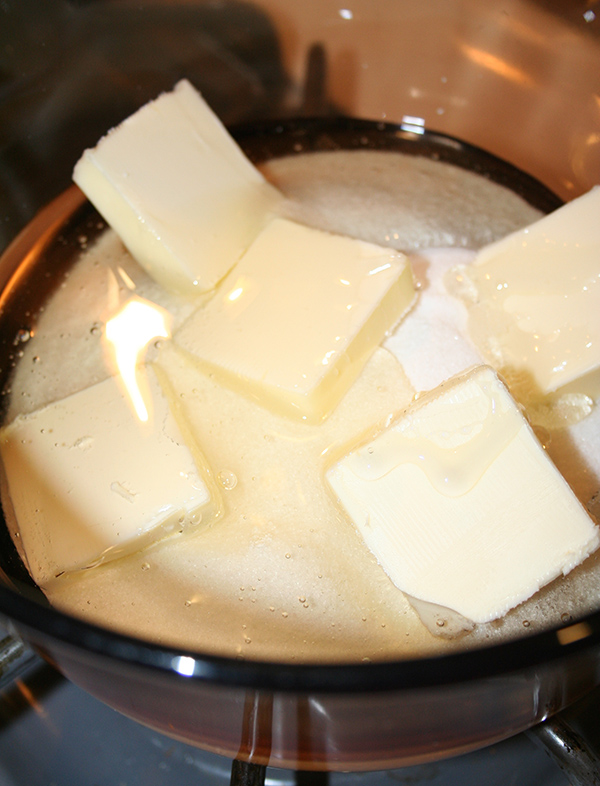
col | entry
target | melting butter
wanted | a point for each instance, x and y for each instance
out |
(178, 191)
(226, 590)
(460, 504)
(534, 300)
(452, 451)
(295, 321)
(87, 478)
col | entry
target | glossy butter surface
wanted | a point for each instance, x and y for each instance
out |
(294, 323)
(90, 482)
(177, 190)
(534, 300)
(460, 504)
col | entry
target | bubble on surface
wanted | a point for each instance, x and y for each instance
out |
(227, 479)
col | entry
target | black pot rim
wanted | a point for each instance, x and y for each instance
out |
(46, 627)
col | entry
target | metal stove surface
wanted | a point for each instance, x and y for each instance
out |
(54, 734)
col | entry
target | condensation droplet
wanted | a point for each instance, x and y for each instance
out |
(526, 623)
(22, 336)
(84, 443)
(227, 479)
(565, 617)
(284, 614)
(145, 566)
(95, 330)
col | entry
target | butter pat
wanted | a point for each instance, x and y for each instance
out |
(293, 324)
(534, 300)
(90, 482)
(460, 503)
(177, 190)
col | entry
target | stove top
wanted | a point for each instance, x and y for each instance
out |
(54, 734)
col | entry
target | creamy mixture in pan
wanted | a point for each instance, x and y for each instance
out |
(284, 574)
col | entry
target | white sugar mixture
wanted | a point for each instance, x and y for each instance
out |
(283, 575)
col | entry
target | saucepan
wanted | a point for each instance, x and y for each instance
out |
(520, 80)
